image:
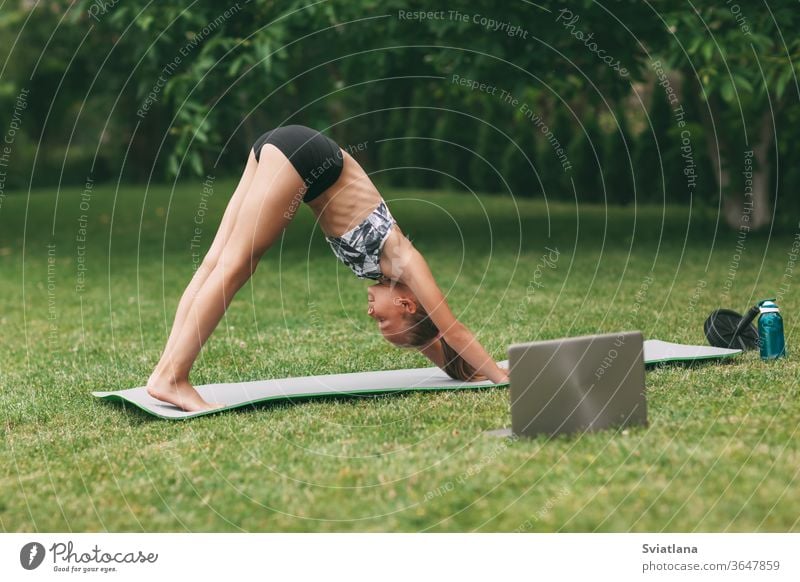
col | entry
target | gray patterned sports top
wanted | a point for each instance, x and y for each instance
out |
(360, 247)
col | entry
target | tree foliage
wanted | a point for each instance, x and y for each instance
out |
(144, 90)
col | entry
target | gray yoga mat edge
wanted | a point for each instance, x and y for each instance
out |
(117, 397)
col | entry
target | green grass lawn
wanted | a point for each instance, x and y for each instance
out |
(720, 453)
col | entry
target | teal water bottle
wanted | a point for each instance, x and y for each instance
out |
(770, 330)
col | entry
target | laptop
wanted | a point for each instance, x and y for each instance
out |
(579, 384)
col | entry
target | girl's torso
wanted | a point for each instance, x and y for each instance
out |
(340, 193)
(348, 201)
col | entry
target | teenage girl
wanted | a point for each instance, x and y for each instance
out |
(286, 166)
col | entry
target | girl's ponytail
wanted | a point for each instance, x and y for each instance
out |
(456, 366)
(423, 331)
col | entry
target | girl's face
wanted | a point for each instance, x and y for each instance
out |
(387, 306)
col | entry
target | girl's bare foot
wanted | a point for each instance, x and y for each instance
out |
(180, 393)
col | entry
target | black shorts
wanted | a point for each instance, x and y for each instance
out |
(316, 158)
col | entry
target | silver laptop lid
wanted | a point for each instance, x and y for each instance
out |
(584, 383)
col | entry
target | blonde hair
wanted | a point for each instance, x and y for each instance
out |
(423, 331)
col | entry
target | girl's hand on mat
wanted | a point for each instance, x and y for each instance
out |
(504, 379)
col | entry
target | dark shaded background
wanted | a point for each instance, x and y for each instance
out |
(137, 91)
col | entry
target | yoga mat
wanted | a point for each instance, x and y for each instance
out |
(238, 394)
(656, 351)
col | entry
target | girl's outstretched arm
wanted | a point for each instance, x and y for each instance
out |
(408, 266)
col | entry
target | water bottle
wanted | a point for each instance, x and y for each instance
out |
(770, 330)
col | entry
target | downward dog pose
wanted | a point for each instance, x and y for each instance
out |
(288, 165)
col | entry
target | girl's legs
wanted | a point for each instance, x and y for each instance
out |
(267, 208)
(212, 256)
